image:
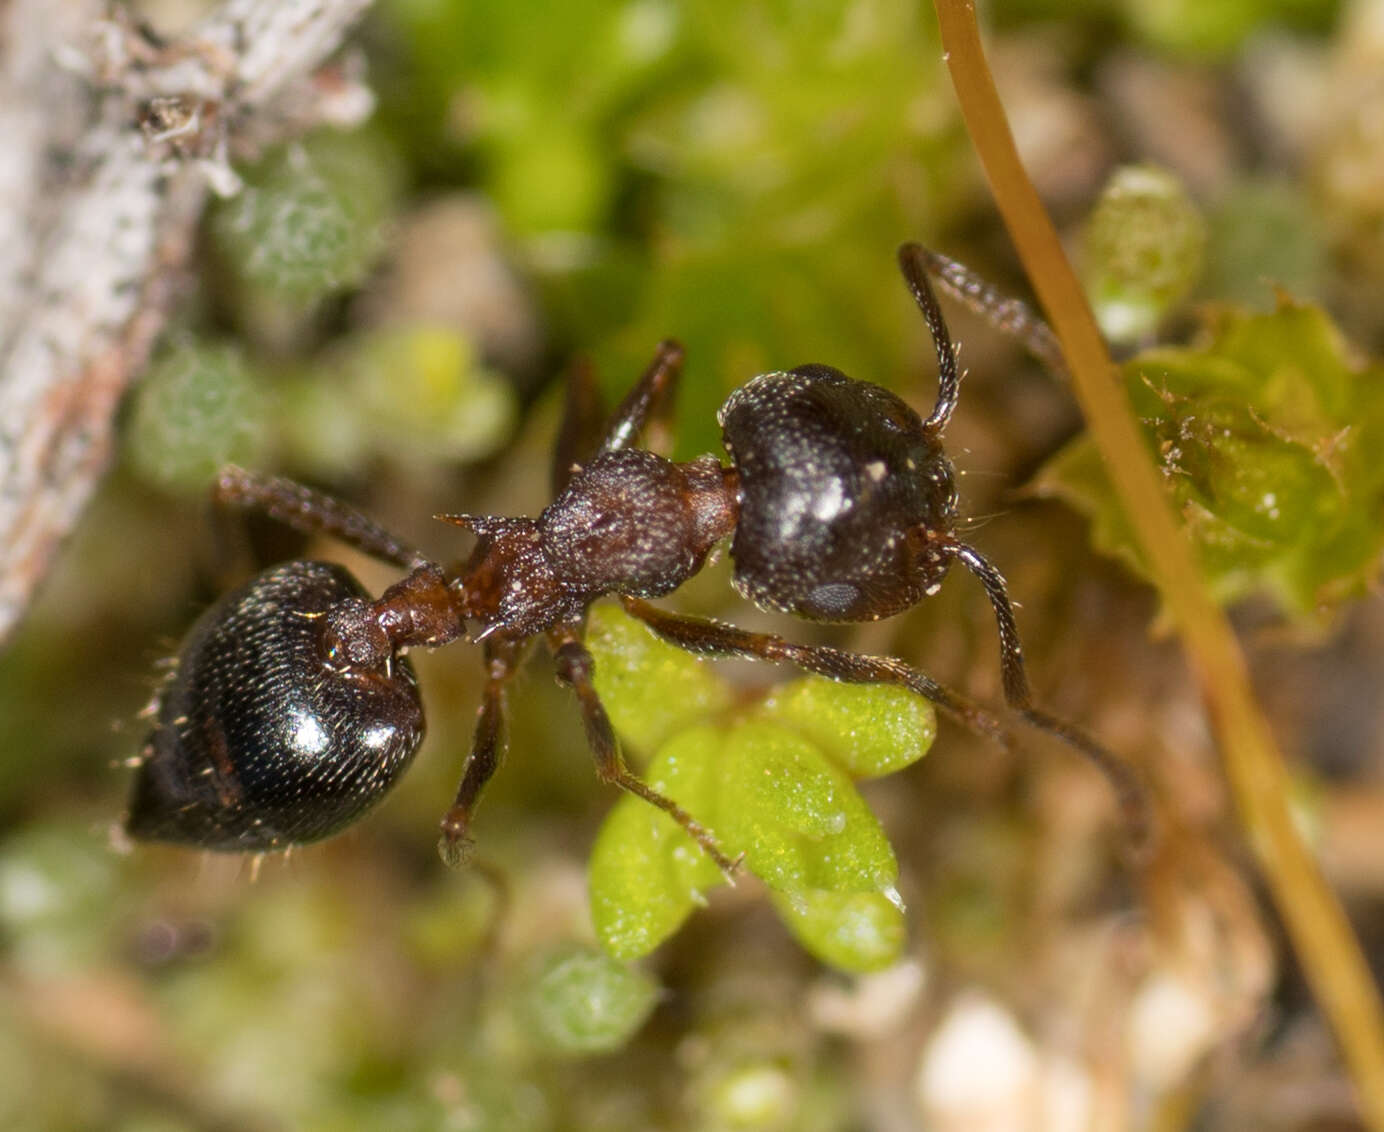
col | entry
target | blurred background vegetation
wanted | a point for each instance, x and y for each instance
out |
(386, 313)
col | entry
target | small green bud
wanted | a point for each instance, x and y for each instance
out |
(1143, 251)
(197, 408)
(578, 1001)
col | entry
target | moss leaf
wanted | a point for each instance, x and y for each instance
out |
(798, 819)
(651, 689)
(870, 729)
(1267, 432)
(854, 931)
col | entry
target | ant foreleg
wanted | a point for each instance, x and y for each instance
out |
(312, 513)
(487, 749)
(583, 416)
(650, 395)
(580, 436)
(576, 668)
(715, 638)
(1129, 789)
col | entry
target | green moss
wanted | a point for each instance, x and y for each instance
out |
(198, 407)
(1268, 433)
(1142, 251)
(579, 1001)
(309, 220)
(766, 787)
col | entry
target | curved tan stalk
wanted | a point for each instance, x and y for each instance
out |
(1320, 932)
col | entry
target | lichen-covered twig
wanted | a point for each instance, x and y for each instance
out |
(113, 138)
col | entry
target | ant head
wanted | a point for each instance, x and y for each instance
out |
(847, 500)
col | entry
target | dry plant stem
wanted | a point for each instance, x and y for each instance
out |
(1321, 934)
(111, 140)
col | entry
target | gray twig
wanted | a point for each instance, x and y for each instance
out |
(113, 139)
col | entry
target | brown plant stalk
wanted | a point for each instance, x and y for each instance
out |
(1320, 933)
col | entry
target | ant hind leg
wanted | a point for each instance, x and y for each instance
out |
(714, 638)
(583, 414)
(312, 513)
(575, 668)
(487, 749)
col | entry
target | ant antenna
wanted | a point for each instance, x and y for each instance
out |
(1008, 315)
(1129, 790)
(913, 262)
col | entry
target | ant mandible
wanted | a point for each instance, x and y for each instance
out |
(291, 709)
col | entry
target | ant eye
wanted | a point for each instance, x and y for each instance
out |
(259, 742)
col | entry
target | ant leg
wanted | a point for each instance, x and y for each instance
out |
(312, 513)
(715, 638)
(649, 395)
(1129, 789)
(575, 668)
(580, 431)
(1006, 314)
(487, 749)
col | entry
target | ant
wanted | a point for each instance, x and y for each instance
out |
(291, 708)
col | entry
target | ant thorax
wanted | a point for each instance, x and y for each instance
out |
(629, 522)
(847, 500)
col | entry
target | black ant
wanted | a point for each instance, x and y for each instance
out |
(292, 709)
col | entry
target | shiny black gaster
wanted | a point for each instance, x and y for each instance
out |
(260, 742)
